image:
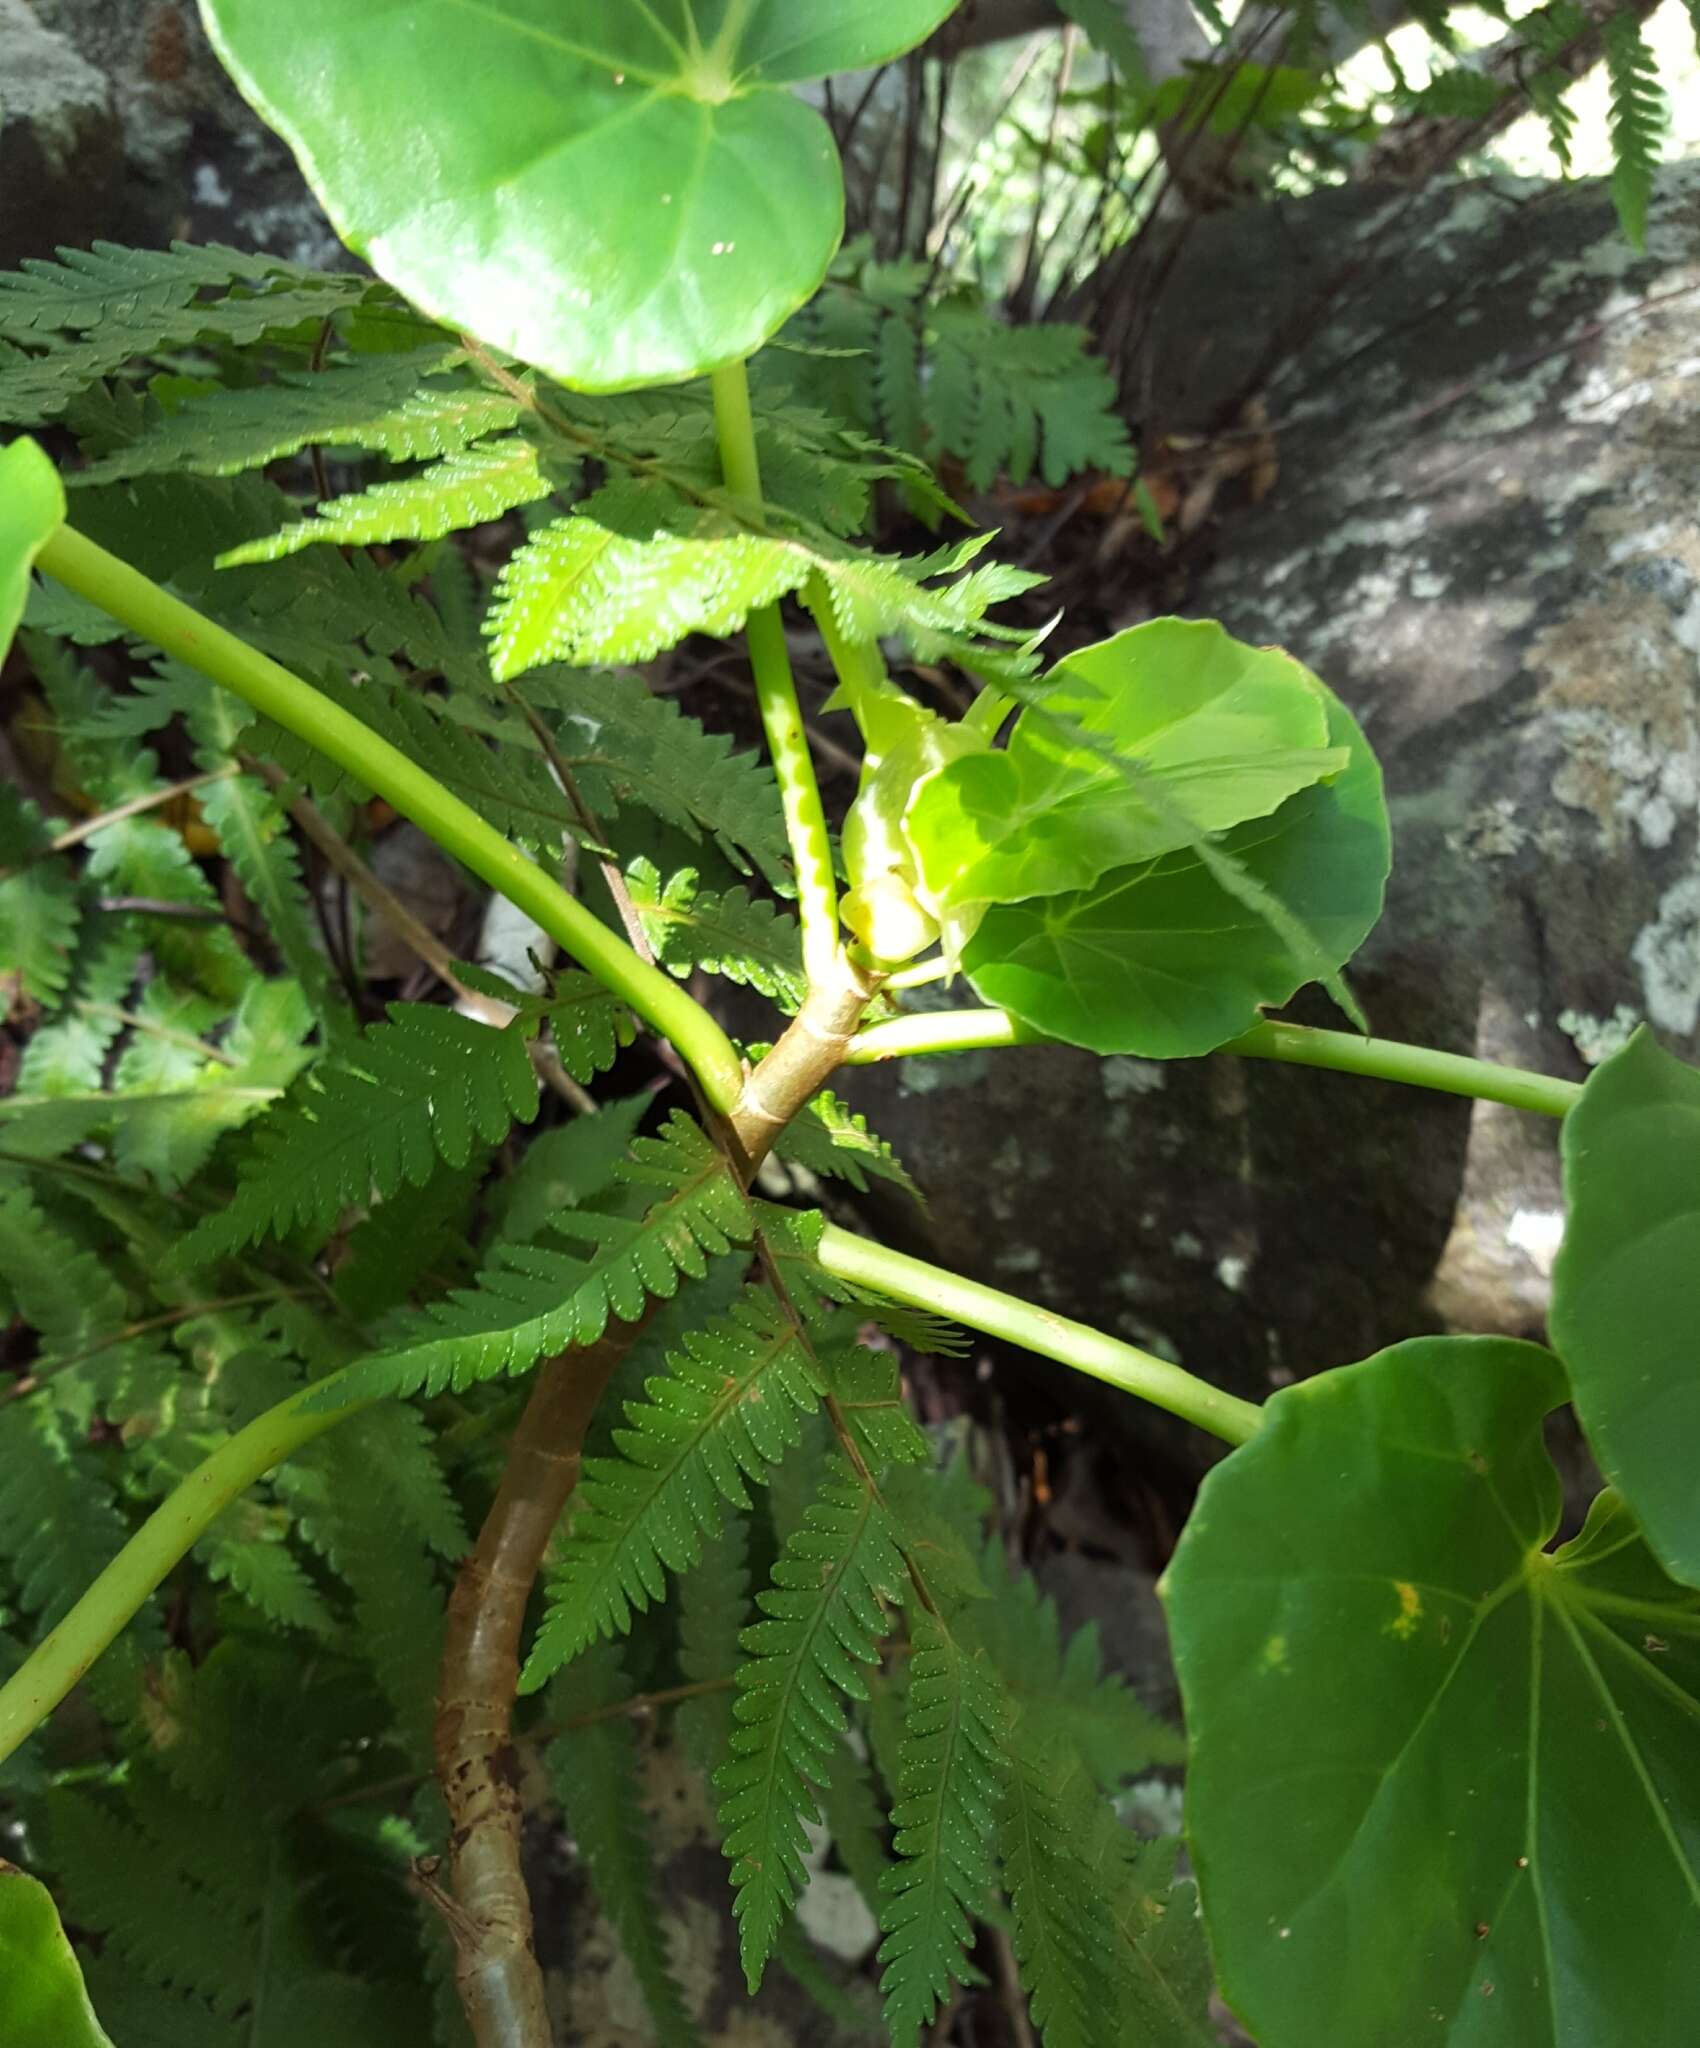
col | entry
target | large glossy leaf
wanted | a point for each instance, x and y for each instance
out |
(620, 191)
(1218, 733)
(1626, 1289)
(1163, 960)
(1444, 1784)
(32, 509)
(42, 1996)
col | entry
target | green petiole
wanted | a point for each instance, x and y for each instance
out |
(56, 1663)
(140, 604)
(776, 700)
(1141, 1373)
(1382, 1059)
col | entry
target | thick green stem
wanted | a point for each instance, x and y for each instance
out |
(139, 603)
(776, 699)
(1153, 1379)
(1382, 1059)
(1385, 1059)
(63, 1655)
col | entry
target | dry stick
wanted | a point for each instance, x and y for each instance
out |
(74, 835)
(496, 1968)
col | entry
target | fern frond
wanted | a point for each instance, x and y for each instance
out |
(590, 1026)
(1069, 1948)
(713, 1609)
(564, 1168)
(1062, 1688)
(867, 1392)
(67, 1056)
(65, 326)
(824, 1617)
(419, 1231)
(423, 1087)
(725, 1411)
(461, 489)
(595, 1774)
(248, 822)
(533, 1300)
(134, 1889)
(247, 1549)
(39, 916)
(829, 1137)
(897, 378)
(587, 594)
(1167, 1977)
(950, 1769)
(109, 284)
(59, 1523)
(63, 1290)
(948, 379)
(388, 403)
(509, 785)
(731, 933)
(626, 746)
(1639, 118)
(856, 1821)
(314, 615)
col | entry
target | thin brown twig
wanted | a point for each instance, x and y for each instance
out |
(153, 1029)
(185, 1314)
(74, 835)
(500, 1982)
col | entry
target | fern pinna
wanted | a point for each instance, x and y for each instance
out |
(231, 1178)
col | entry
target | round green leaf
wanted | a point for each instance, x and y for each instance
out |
(1162, 960)
(620, 191)
(41, 1987)
(1216, 731)
(1626, 1288)
(32, 509)
(1444, 1785)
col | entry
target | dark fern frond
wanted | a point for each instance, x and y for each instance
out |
(824, 1617)
(856, 1820)
(187, 1937)
(627, 746)
(947, 379)
(425, 1086)
(395, 405)
(724, 1412)
(64, 1290)
(714, 1598)
(108, 284)
(730, 933)
(59, 1521)
(594, 1770)
(829, 1137)
(1070, 1951)
(248, 821)
(950, 1770)
(534, 1300)
(1639, 119)
(39, 906)
(1062, 1687)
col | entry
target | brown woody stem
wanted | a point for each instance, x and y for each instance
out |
(501, 1985)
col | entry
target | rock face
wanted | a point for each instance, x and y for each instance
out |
(116, 121)
(1487, 539)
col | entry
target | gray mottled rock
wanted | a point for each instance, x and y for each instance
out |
(1487, 538)
(119, 123)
